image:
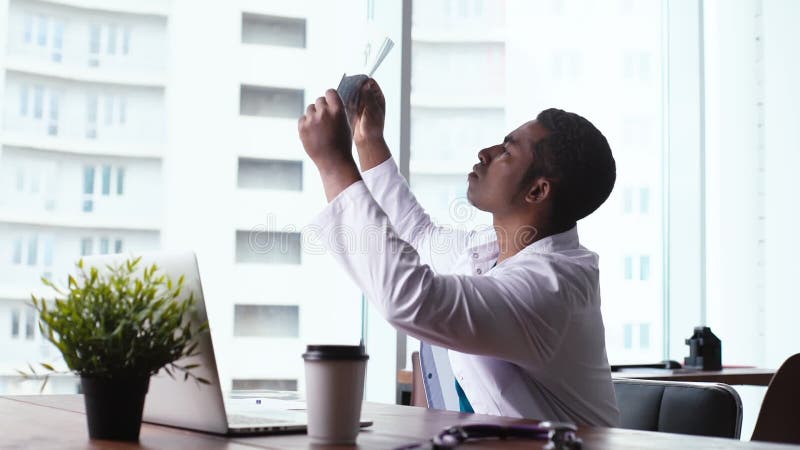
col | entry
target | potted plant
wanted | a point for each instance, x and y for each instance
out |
(115, 328)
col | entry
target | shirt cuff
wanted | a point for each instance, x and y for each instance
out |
(383, 169)
(352, 194)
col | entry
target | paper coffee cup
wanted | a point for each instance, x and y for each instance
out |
(334, 392)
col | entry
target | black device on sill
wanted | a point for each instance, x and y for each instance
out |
(705, 350)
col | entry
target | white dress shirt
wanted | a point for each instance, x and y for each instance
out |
(525, 338)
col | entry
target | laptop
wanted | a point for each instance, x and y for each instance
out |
(201, 407)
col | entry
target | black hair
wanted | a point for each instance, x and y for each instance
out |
(577, 158)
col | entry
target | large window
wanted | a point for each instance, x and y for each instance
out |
(476, 76)
(149, 130)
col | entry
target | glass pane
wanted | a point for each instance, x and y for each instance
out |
(481, 69)
(86, 246)
(88, 179)
(144, 156)
(106, 189)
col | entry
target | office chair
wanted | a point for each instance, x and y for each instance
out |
(779, 418)
(706, 409)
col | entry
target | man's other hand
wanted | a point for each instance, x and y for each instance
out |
(368, 123)
(325, 134)
(326, 138)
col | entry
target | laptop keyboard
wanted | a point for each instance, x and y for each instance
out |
(240, 419)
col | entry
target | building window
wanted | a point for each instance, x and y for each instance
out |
(628, 267)
(48, 251)
(637, 65)
(88, 188)
(271, 102)
(122, 110)
(86, 246)
(126, 40)
(644, 268)
(94, 45)
(41, 35)
(27, 28)
(109, 109)
(267, 247)
(30, 323)
(58, 38)
(106, 188)
(270, 174)
(33, 250)
(270, 321)
(52, 128)
(14, 323)
(627, 336)
(644, 336)
(644, 200)
(112, 39)
(264, 385)
(23, 100)
(88, 179)
(91, 116)
(120, 180)
(16, 254)
(118, 246)
(38, 101)
(104, 246)
(271, 30)
(627, 200)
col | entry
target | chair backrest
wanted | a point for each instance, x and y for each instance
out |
(779, 418)
(706, 409)
(417, 384)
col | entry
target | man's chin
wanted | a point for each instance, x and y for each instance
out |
(473, 202)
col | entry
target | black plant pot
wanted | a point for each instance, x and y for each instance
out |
(114, 406)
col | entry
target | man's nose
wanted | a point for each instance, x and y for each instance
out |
(486, 155)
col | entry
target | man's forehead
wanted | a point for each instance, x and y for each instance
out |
(531, 131)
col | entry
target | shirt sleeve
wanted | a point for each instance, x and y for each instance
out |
(438, 246)
(515, 315)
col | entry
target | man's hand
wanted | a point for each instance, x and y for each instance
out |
(368, 124)
(326, 138)
(370, 114)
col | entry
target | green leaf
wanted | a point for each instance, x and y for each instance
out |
(48, 367)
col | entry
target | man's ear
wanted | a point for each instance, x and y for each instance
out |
(539, 191)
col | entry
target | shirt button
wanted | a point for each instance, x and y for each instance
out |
(479, 271)
(474, 256)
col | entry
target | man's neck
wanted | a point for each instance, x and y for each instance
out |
(515, 233)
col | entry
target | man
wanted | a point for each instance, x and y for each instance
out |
(517, 306)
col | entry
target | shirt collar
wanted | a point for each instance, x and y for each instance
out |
(567, 240)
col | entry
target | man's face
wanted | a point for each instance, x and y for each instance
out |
(495, 182)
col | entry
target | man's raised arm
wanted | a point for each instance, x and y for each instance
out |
(437, 246)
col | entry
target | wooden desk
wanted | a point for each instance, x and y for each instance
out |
(734, 376)
(58, 422)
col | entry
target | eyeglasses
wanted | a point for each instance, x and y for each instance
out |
(561, 435)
